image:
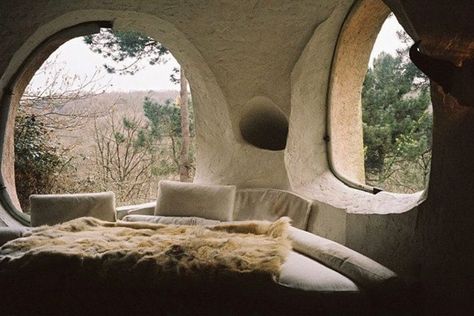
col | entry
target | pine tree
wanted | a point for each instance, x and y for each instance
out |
(127, 49)
(397, 123)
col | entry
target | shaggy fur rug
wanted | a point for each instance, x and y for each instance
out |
(107, 250)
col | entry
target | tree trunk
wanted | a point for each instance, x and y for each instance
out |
(184, 163)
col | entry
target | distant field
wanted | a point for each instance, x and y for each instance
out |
(81, 139)
(122, 103)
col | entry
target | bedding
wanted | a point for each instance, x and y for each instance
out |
(10, 233)
(107, 250)
(357, 267)
(87, 266)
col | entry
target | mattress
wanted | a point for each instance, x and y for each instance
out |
(318, 277)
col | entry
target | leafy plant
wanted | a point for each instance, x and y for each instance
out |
(39, 162)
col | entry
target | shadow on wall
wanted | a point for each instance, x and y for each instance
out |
(264, 125)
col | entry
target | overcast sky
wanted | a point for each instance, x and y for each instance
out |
(387, 39)
(75, 58)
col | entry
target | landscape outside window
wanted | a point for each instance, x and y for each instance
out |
(397, 117)
(106, 112)
(129, 123)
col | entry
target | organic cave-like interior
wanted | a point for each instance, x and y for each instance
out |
(276, 89)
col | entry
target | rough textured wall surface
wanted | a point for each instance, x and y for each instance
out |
(352, 55)
(233, 51)
(445, 222)
(283, 51)
(306, 156)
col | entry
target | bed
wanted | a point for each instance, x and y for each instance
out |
(316, 276)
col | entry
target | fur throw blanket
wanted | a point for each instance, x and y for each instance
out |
(146, 251)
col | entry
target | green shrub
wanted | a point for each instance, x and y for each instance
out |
(38, 161)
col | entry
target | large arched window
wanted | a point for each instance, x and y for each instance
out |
(379, 106)
(104, 113)
(86, 136)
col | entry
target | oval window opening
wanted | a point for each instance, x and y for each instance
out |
(83, 127)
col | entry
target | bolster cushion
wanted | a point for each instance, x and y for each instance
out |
(10, 233)
(188, 199)
(357, 267)
(171, 220)
(138, 209)
(51, 209)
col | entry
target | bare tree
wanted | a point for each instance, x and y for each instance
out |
(126, 50)
(184, 156)
(42, 163)
(124, 156)
(53, 100)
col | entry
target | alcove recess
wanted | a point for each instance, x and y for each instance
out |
(264, 125)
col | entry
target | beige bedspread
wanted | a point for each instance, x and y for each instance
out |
(112, 250)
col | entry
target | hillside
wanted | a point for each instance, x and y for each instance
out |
(128, 104)
(122, 102)
(80, 141)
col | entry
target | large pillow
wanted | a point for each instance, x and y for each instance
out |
(270, 205)
(200, 200)
(357, 267)
(51, 209)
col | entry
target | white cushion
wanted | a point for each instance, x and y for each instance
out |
(174, 220)
(51, 209)
(189, 199)
(270, 205)
(359, 268)
(137, 209)
(301, 272)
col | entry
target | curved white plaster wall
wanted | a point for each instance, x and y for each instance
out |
(346, 146)
(208, 40)
(220, 158)
(306, 155)
(287, 66)
(237, 50)
(361, 220)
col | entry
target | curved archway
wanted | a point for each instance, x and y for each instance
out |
(50, 36)
(9, 103)
(350, 61)
(346, 148)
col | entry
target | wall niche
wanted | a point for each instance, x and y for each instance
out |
(264, 125)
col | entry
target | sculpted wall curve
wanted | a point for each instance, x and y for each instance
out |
(235, 52)
(445, 220)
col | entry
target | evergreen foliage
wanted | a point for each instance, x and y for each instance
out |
(165, 124)
(397, 123)
(123, 47)
(127, 49)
